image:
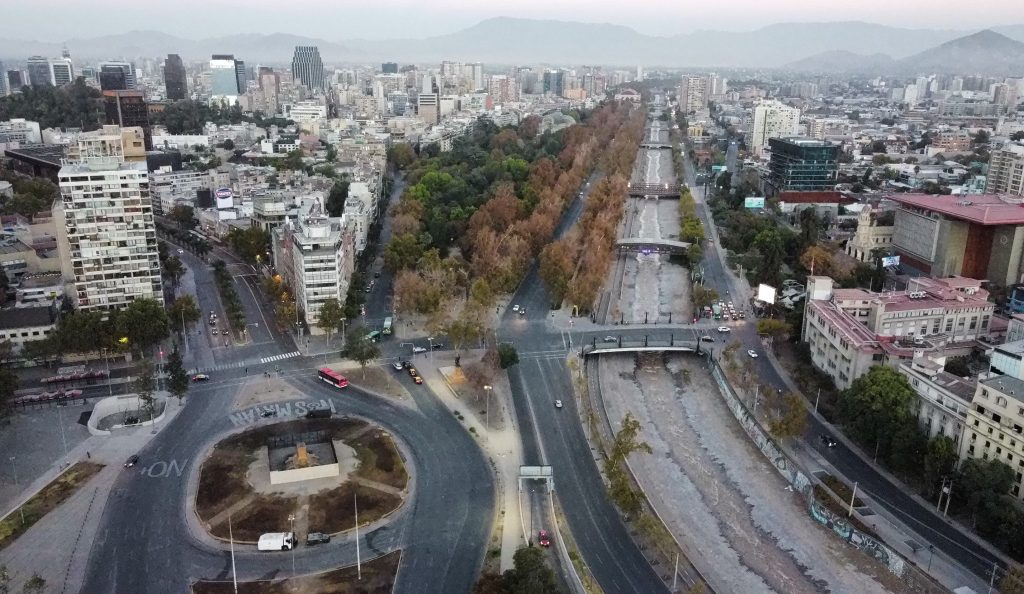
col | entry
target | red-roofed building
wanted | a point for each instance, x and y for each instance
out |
(849, 330)
(978, 236)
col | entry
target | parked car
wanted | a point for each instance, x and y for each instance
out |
(543, 539)
(522, 311)
(419, 349)
(412, 372)
(132, 461)
(558, 404)
(200, 377)
(417, 379)
(437, 345)
(406, 365)
(181, 251)
(315, 538)
(827, 440)
(515, 307)
(224, 332)
(610, 339)
(397, 365)
(752, 353)
(706, 338)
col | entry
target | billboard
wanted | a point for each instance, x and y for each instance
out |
(888, 261)
(225, 198)
(753, 202)
(766, 293)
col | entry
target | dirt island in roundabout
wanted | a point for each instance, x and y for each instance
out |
(300, 476)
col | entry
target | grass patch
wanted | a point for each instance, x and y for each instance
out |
(841, 489)
(45, 501)
(266, 513)
(823, 498)
(332, 511)
(379, 459)
(378, 379)
(378, 577)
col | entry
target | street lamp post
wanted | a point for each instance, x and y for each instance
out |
(21, 508)
(291, 520)
(487, 393)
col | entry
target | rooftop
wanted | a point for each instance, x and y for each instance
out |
(982, 209)
(1006, 384)
(26, 317)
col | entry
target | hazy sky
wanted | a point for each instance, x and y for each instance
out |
(58, 20)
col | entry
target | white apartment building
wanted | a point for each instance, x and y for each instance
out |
(168, 188)
(694, 92)
(22, 131)
(995, 424)
(305, 111)
(849, 330)
(942, 398)
(772, 119)
(315, 254)
(1005, 170)
(106, 235)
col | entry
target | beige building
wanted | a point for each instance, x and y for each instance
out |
(870, 234)
(942, 398)
(995, 423)
(122, 144)
(772, 119)
(694, 92)
(1006, 171)
(849, 330)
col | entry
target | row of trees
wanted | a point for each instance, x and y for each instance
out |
(252, 244)
(228, 295)
(574, 267)
(71, 106)
(31, 194)
(139, 326)
(189, 117)
(691, 229)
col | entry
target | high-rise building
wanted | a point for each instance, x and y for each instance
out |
(116, 76)
(772, 119)
(554, 82)
(3, 81)
(128, 109)
(389, 68)
(270, 85)
(175, 80)
(802, 165)
(502, 89)
(242, 76)
(62, 71)
(1006, 171)
(15, 81)
(693, 93)
(307, 67)
(106, 234)
(477, 75)
(429, 108)
(39, 74)
(224, 79)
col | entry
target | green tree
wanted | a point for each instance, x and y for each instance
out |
(790, 419)
(294, 161)
(401, 155)
(145, 387)
(983, 481)
(184, 215)
(330, 316)
(177, 379)
(507, 355)
(8, 386)
(463, 331)
(251, 244)
(1013, 580)
(481, 293)
(810, 227)
(360, 348)
(774, 328)
(769, 245)
(624, 444)
(939, 460)
(336, 199)
(403, 251)
(173, 269)
(35, 584)
(144, 322)
(530, 574)
(703, 296)
(958, 366)
(876, 406)
(183, 309)
(229, 145)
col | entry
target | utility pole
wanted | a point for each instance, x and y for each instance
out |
(359, 565)
(291, 520)
(675, 574)
(231, 539)
(21, 508)
(816, 398)
(853, 498)
(487, 392)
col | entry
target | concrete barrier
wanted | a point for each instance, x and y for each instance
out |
(116, 404)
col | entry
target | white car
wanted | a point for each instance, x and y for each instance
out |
(515, 307)
(752, 353)
(558, 404)
(419, 349)
(723, 329)
(181, 251)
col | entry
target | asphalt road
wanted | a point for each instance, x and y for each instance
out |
(911, 511)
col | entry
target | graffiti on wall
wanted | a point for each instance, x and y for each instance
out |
(847, 532)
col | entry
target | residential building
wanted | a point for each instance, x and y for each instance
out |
(22, 131)
(802, 164)
(37, 290)
(26, 324)
(951, 140)
(849, 330)
(994, 424)
(1006, 170)
(175, 79)
(306, 111)
(1008, 358)
(62, 71)
(874, 232)
(389, 68)
(106, 234)
(307, 67)
(316, 257)
(428, 108)
(502, 89)
(39, 73)
(128, 109)
(554, 82)
(980, 236)
(942, 398)
(772, 119)
(116, 76)
(224, 85)
(169, 188)
(694, 92)
(125, 144)
(3, 81)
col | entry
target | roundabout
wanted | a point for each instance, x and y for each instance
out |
(152, 536)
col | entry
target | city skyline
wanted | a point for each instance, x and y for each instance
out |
(417, 21)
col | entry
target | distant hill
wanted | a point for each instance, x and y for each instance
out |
(842, 61)
(985, 52)
(813, 46)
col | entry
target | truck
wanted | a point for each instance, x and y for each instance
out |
(276, 541)
(388, 321)
(717, 311)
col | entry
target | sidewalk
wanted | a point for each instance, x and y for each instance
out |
(58, 546)
(502, 446)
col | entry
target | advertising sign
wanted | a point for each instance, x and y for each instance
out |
(753, 202)
(225, 198)
(888, 261)
(766, 293)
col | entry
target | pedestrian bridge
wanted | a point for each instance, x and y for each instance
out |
(657, 190)
(655, 145)
(652, 246)
(644, 345)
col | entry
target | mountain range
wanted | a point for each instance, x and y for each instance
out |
(528, 41)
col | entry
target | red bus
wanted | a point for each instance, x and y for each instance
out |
(332, 377)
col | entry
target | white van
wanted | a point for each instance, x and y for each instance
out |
(276, 541)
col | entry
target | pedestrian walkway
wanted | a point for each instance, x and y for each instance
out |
(280, 357)
(221, 367)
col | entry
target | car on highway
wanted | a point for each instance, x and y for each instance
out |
(723, 329)
(522, 311)
(417, 379)
(827, 440)
(213, 322)
(610, 339)
(752, 353)
(419, 349)
(437, 345)
(315, 538)
(543, 539)
(200, 377)
(406, 365)
(515, 307)
(558, 404)
(132, 461)
(224, 332)
(397, 365)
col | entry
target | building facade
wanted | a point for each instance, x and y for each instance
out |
(116, 76)
(1006, 171)
(175, 79)
(694, 92)
(771, 119)
(873, 233)
(224, 79)
(22, 131)
(307, 67)
(942, 398)
(994, 425)
(802, 165)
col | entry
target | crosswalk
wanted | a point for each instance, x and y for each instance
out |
(279, 357)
